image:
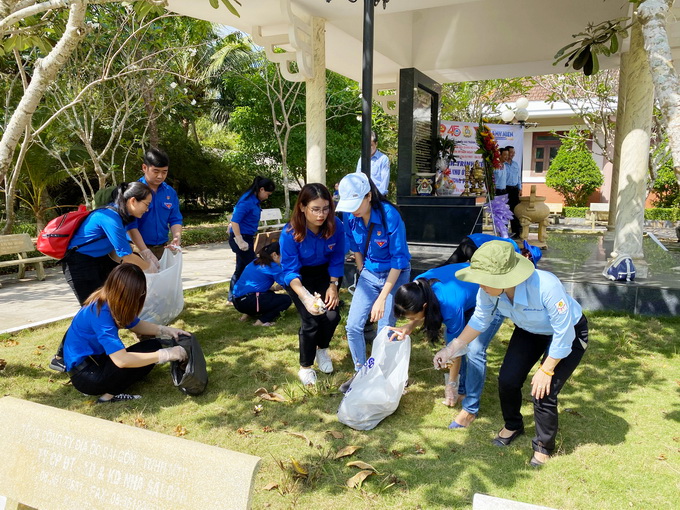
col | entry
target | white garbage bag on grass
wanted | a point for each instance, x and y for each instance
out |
(164, 294)
(377, 388)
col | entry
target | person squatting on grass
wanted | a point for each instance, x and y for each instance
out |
(312, 256)
(377, 237)
(252, 292)
(244, 223)
(549, 326)
(437, 297)
(96, 359)
(473, 365)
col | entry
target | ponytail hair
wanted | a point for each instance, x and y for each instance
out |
(264, 256)
(416, 297)
(260, 182)
(124, 192)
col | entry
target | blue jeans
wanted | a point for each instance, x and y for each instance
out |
(368, 288)
(473, 367)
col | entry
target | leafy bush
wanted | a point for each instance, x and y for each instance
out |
(573, 173)
(574, 212)
(204, 235)
(668, 213)
(666, 187)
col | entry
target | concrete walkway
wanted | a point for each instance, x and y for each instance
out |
(28, 302)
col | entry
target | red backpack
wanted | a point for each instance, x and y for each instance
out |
(54, 239)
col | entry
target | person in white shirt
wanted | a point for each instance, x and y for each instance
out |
(380, 167)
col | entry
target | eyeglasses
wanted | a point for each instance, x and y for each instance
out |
(319, 210)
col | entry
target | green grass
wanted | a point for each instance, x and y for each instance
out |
(618, 445)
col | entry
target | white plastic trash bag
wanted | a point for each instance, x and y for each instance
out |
(164, 295)
(377, 388)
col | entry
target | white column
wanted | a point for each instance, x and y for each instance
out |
(316, 107)
(638, 112)
(618, 139)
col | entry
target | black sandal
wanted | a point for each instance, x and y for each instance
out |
(505, 441)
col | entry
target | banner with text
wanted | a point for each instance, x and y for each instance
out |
(466, 145)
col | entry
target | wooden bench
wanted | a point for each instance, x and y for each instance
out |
(598, 211)
(555, 211)
(20, 245)
(271, 219)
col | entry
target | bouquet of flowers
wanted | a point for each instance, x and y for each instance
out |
(491, 155)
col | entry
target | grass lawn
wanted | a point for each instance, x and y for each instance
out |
(619, 439)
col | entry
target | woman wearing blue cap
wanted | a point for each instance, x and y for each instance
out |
(377, 237)
(549, 326)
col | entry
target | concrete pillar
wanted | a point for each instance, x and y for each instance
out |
(316, 106)
(634, 159)
(618, 140)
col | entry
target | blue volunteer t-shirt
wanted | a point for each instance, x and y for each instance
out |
(314, 250)
(102, 222)
(455, 297)
(92, 333)
(387, 248)
(257, 278)
(247, 213)
(162, 214)
(480, 239)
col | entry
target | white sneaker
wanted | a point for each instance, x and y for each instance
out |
(323, 359)
(307, 376)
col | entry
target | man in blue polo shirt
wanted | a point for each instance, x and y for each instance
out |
(380, 166)
(150, 232)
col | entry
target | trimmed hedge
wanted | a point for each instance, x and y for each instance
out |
(663, 213)
(574, 212)
(204, 234)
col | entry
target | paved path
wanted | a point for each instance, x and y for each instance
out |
(29, 302)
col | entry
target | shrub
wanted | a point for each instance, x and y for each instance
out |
(668, 213)
(666, 187)
(574, 212)
(573, 173)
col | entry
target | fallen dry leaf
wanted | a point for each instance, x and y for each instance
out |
(271, 486)
(140, 422)
(346, 451)
(574, 412)
(37, 351)
(271, 396)
(301, 436)
(11, 343)
(361, 465)
(298, 468)
(267, 428)
(396, 454)
(661, 457)
(335, 434)
(3, 364)
(358, 479)
(243, 431)
(260, 391)
(420, 450)
(180, 431)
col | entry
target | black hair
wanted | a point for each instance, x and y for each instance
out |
(264, 256)
(261, 182)
(510, 147)
(505, 149)
(156, 157)
(377, 202)
(413, 297)
(124, 192)
(374, 137)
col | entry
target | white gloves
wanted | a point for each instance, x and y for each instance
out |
(154, 265)
(243, 245)
(455, 349)
(176, 353)
(172, 332)
(314, 304)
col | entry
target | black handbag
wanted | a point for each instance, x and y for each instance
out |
(190, 376)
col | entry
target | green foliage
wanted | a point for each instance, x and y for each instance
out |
(667, 214)
(573, 173)
(469, 101)
(204, 234)
(666, 187)
(574, 212)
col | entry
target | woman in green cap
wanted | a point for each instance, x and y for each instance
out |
(549, 326)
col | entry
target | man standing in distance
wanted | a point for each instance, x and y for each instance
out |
(513, 181)
(380, 166)
(150, 232)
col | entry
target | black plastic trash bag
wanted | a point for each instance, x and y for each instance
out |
(190, 376)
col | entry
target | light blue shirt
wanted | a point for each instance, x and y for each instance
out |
(500, 177)
(380, 171)
(258, 278)
(455, 297)
(387, 248)
(541, 306)
(313, 250)
(513, 174)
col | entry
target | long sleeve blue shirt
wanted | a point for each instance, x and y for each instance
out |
(380, 171)
(92, 333)
(247, 213)
(314, 250)
(256, 278)
(455, 297)
(163, 213)
(102, 222)
(387, 248)
(541, 305)
(500, 177)
(513, 174)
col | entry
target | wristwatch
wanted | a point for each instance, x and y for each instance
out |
(335, 282)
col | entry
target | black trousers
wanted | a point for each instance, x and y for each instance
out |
(513, 200)
(243, 258)
(265, 305)
(85, 274)
(523, 351)
(463, 252)
(101, 375)
(315, 330)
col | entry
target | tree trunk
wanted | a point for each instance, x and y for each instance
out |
(46, 70)
(652, 16)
